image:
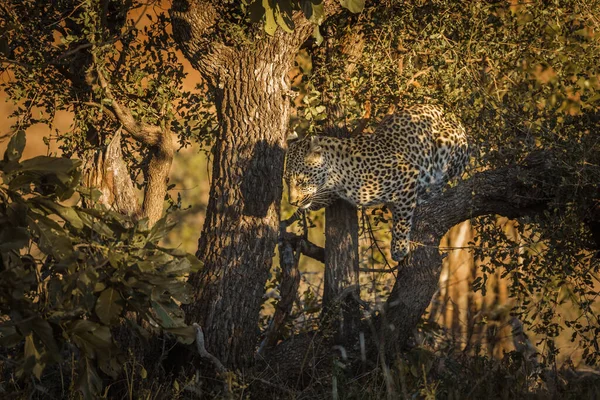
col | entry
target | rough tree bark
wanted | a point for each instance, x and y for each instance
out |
(241, 228)
(341, 287)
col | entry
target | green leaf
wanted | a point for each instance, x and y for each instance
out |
(270, 24)
(43, 330)
(69, 214)
(89, 382)
(15, 147)
(185, 334)
(13, 238)
(318, 13)
(307, 8)
(31, 353)
(256, 11)
(92, 219)
(283, 15)
(160, 229)
(168, 315)
(354, 6)
(9, 336)
(91, 338)
(52, 237)
(108, 307)
(50, 175)
(45, 165)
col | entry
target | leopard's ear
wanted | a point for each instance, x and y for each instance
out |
(315, 145)
(292, 137)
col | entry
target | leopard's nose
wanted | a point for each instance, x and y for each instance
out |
(293, 196)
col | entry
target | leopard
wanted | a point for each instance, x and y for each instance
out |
(407, 161)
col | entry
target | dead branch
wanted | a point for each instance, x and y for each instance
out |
(107, 171)
(204, 353)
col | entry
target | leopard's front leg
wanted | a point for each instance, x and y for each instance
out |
(402, 215)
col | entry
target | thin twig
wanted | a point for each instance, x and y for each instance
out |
(204, 353)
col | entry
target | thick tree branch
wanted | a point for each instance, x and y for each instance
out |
(513, 191)
(150, 135)
(195, 24)
(159, 141)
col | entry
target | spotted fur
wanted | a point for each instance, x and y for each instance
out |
(410, 158)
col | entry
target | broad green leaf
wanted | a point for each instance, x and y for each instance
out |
(195, 263)
(9, 337)
(89, 382)
(256, 10)
(44, 165)
(176, 267)
(110, 362)
(50, 175)
(16, 212)
(91, 339)
(13, 238)
(90, 193)
(43, 330)
(31, 352)
(270, 24)
(52, 237)
(83, 325)
(168, 315)
(318, 13)
(69, 214)
(93, 220)
(354, 6)
(108, 307)
(160, 229)
(307, 8)
(283, 15)
(15, 147)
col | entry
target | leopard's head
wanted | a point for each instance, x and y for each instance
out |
(306, 172)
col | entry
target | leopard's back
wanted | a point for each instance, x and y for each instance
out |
(429, 139)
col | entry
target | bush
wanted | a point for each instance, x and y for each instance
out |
(68, 274)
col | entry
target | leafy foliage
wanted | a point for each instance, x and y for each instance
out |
(522, 77)
(68, 275)
(279, 13)
(55, 48)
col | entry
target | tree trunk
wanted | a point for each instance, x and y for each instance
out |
(341, 294)
(242, 219)
(341, 286)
